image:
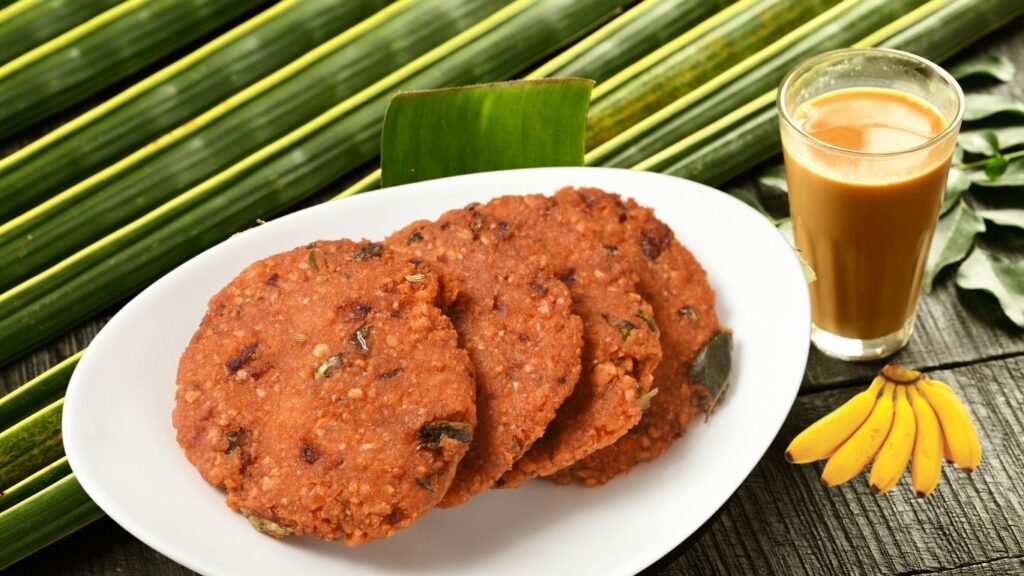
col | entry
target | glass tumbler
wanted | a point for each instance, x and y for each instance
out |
(864, 209)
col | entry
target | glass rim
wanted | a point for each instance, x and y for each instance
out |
(802, 68)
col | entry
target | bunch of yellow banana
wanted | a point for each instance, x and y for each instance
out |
(904, 416)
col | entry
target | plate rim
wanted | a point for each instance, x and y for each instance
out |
(138, 529)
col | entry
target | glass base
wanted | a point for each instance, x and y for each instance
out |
(854, 349)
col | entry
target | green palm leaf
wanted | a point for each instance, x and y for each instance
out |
(174, 95)
(30, 23)
(278, 175)
(102, 51)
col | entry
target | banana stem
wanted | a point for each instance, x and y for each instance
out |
(899, 374)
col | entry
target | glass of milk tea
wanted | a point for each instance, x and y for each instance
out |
(867, 136)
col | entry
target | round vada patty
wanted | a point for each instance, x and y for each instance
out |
(326, 393)
(514, 318)
(343, 389)
(620, 340)
(676, 286)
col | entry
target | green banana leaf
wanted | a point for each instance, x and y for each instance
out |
(645, 27)
(523, 124)
(659, 76)
(723, 149)
(952, 27)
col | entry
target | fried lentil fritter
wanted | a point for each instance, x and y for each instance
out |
(515, 320)
(677, 288)
(620, 348)
(326, 393)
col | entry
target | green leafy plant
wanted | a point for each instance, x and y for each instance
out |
(981, 106)
(992, 65)
(954, 237)
(1004, 217)
(639, 31)
(1001, 277)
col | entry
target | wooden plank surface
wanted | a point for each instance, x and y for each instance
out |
(1002, 566)
(781, 520)
(953, 327)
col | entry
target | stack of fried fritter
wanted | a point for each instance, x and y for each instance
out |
(343, 389)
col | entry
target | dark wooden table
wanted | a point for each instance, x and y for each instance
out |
(782, 520)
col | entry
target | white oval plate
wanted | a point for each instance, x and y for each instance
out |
(121, 445)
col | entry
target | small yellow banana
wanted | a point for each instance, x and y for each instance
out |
(914, 419)
(821, 439)
(942, 386)
(853, 456)
(926, 464)
(957, 427)
(946, 453)
(895, 453)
